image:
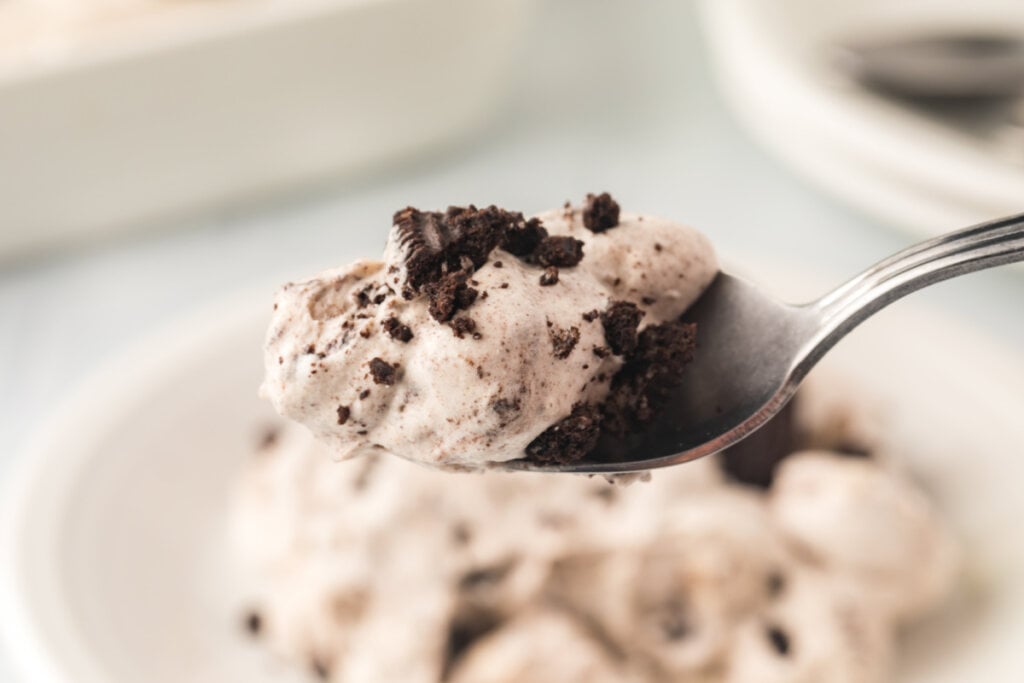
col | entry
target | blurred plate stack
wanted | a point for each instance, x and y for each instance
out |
(118, 113)
(777, 67)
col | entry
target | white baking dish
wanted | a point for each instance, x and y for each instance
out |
(216, 104)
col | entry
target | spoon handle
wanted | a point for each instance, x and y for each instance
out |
(965, 251)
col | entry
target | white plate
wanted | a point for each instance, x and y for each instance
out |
(114, 567)
(773, 63)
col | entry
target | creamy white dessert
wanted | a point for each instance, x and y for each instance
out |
(376, 569)
(483, 337)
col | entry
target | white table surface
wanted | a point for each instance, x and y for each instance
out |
(611, 96)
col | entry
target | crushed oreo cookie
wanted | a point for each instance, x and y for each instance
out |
(644, 384)
(383, 372)
(459, 239)
(549, 277)
(569, 439)
(600, 212)
(563, 341)
(462, 326)
(449, 294)
(253, 623)
(779, 640)
(620, 321)
(468, 625)
(559, 250)
(344, 412)
(522, 240)
(319, 668)
(394, 327)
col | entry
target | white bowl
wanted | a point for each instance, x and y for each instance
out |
(775, 68)
(113, 565)
(200, 109)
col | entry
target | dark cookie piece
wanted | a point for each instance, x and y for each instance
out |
(620, 321)
(559, 250)
(779, 640)
(462, 326)
(344, 412)
(448, 294)
(254, 623)
(523, 239)
(569, 439)
(383, 372)
(394, 327)
(320, 668)
(268, 439)
(563, 341)
(591, 316)
(549, 277)
(600, 212)
(461, 238)
(645, 383)
(470, 623)
(425, 237)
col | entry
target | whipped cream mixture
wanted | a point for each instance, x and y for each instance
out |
(376, 569)
(483, 337)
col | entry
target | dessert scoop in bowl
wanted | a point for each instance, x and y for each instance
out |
(754, 351)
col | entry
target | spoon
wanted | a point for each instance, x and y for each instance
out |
(753, 350)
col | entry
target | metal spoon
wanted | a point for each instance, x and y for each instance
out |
(754, 350)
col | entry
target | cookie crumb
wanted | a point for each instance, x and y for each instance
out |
(620, 321)
(779, 640)
(461, 238)
(344, 412)
(569, 439)
(319, 668)
(383, 372)
(522, 240)
(462, 326)
(253, 623)
(563, 341)
(394, 327)
(559, 250)
(549, 277)
(600, 212)
(449, 294)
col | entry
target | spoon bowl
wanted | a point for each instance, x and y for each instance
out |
(754, 351)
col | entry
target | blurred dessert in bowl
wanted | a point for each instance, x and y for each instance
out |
(379, 569)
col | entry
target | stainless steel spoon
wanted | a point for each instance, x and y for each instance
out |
(754, 350)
